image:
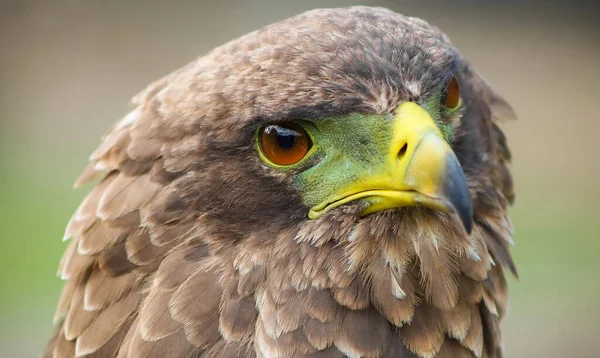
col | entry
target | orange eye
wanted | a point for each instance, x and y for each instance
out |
(451, 96)
(284, 144)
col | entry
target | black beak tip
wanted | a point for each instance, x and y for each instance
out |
(457, 193)
(467, 221)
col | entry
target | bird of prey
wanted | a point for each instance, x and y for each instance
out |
(332, 185)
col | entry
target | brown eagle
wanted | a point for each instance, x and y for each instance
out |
(332, 185)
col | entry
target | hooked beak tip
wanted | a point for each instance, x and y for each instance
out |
(456, 193)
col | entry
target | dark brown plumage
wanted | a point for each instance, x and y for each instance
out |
(190, 246)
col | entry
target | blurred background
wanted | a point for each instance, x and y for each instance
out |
(69, 68)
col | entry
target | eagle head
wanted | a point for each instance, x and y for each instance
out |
(331, 185)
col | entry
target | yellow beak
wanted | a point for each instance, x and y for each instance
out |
(420, 170)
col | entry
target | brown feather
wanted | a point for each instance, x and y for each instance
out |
(497, 286)
(106, 325)
(470, 290)
(453, 349)
(156, 321)
(183, 153)
(238, 317)
(97, 294)
(65, 299)
(173, 346)
(144, 150)
(115, 140)
(396, 349)
(497, 241)
(100, 236)
(160, 175)
(174, 231)
(140, 250)
(89, 174)
(206, 333)
(113, 261)
(175, 269)
(74, 264)
(130, 167)
(127, 340)
(354, 296)
(124, 195)
(363, 333)
(285, 345)
(439, 270)
(321, 334)
(85, 215)
(167, 206)
(424, 335)
(330, 352)
(113, 345)
(229, 350)
(63, 347)
(490, 303)
(474, 338)
(456, 322)
(248, 282)
(320, 305)
(386, 299)
(338, 270)
(476, 269)
(185, 306)
(491, 332)
(279, 318)
(78, 318)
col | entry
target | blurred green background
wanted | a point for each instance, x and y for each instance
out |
(68, 69)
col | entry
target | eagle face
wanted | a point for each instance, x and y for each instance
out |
(331, 185)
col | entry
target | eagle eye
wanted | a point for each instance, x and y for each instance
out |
(451, 96)
(284, 144)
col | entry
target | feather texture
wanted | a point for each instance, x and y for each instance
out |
(190, 246)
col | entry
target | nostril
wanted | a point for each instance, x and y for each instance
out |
(402, 151)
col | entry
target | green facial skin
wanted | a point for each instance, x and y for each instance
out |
(349, 147)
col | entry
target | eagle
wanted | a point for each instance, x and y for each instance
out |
(332, 185)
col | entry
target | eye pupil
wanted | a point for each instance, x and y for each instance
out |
(284, 144)
(286, 141)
